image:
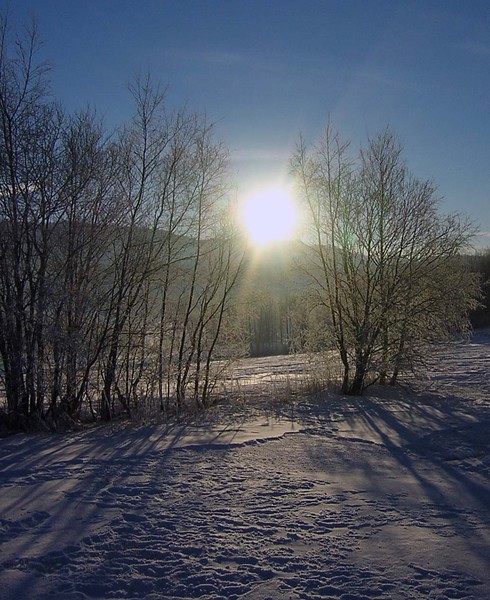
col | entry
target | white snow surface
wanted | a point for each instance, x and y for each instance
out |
(385, 496)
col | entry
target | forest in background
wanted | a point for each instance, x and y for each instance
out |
(126, 283)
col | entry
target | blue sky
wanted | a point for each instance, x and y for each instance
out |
(265, 70)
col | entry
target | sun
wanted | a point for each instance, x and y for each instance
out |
(269, 215)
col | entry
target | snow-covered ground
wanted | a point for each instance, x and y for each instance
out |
(384, 497)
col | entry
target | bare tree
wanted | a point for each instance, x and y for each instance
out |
(385, 265)
(172, 268)
(29, 209)
(80, 259)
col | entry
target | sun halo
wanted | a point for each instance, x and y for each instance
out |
(269, 215)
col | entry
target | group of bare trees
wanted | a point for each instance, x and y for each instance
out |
(386, 271)
(119, 263)
(116, 257)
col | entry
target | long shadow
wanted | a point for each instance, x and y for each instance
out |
(403, 441)
(57, 490)
(73, 479)
(443, 483)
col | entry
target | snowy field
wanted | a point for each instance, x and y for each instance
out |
(382, 497)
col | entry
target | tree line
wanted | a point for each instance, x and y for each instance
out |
(116, 255)
(124, 280)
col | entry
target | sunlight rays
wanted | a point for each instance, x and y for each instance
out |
(269, 215)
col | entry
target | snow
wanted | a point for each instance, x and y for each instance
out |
(386, 497)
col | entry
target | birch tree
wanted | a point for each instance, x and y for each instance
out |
(29, 208)
(172, 268)
(384, 264)
(116, 269)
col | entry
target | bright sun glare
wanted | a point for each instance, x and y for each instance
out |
(269, 215)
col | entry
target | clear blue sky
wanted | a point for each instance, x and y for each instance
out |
(266, 69)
